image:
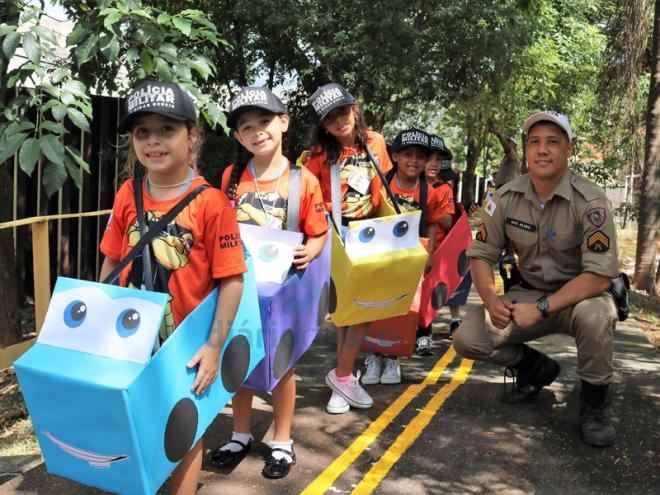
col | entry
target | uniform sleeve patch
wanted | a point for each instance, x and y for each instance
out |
(482, 234)
(596, 216)
(598, 242)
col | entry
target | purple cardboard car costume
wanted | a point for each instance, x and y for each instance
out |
(291, 310)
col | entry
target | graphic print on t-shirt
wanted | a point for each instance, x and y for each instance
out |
(358, 203)
(170, 250)
(406, 203)
(267, 209)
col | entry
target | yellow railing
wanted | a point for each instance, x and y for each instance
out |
(41, 270)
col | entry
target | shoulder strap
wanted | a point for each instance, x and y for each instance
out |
(151, 233)
(293, 200)
(383, 179)
(146, 252)
(335, 194)
(423, 201)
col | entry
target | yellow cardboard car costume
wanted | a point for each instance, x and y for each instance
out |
(375, 271)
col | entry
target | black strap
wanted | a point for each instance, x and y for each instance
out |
(146, 252)
(152, 232)
(423, 200)
(383, 179)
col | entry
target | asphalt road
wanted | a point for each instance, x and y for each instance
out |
(443, 430)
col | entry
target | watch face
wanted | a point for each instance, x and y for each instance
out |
(543, 305)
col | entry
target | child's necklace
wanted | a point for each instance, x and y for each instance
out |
(151, 183)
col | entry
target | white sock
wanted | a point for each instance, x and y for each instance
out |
(284, 445)
(244, 438)
(453, 320)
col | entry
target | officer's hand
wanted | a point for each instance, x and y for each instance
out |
(525, 314)
(500, 313)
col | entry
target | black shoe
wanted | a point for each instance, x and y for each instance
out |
(228, 459)
(453, 327)
(423, 346)
(278, 468)
(597, 429)
(533, 372)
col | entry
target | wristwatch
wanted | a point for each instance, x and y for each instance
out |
(543, 305)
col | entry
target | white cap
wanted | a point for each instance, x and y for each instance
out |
(549, 116)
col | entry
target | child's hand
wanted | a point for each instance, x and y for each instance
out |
(301, 257)
(208, 359)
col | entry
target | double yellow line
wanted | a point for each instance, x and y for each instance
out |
(379, 470)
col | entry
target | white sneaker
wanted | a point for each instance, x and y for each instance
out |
(392, 372)
(351, 391)
(337, 404)
(374, 369)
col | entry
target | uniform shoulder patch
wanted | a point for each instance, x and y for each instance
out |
(598, 242)
(596, 216)
(482, 233)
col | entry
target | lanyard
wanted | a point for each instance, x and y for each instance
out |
(269, 210)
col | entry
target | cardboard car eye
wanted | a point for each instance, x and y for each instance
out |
(128, 322)
(74, 314)
(269, 252)
(400, 229)
(367, 234)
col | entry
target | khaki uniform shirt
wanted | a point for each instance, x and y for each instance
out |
(572, 233)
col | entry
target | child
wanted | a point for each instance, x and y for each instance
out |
(410, 151)
(439, 159)
(259, 119)
(341, 135)
(186, 260)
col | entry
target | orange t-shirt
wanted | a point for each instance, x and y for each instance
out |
(409, 199)
(201, 244)
(268, 205)
(445, 197)
(355, 204)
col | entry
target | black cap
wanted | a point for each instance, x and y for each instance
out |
(411, 137)
(253, 97)
(329, 97)
(438, 144)
(163, 98)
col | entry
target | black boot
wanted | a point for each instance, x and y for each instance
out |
(533, 372)
(597, 429)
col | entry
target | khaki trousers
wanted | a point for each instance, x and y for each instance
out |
(590, 322)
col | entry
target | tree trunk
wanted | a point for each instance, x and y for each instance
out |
(474, 147)
(649, 202)
(10, 328)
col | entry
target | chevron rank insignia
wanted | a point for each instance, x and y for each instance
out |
(482, 234)
(598, 242)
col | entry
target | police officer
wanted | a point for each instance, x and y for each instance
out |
(561, 228)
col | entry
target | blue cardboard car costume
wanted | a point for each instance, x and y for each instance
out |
(293, 303)
(106, 412)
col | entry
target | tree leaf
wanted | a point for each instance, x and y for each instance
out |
(146, 62)
(111, 49)
(163, 69)
(76, 88)
(182, 25)
(86, 49)
(82, 163)
(59, 112)
(54, 177)
(54, 127)
(11, 145)
(74, 171)
(111, 19)
(5, 29)
(78, 119)
(10, 43)
(202, 67)
(28, 155)
(18, 127)
(31, 46)
(76, 35)
(52, 148)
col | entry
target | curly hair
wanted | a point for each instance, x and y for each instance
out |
(321, 140)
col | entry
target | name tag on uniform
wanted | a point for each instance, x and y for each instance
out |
(358, 181)
(520, 224)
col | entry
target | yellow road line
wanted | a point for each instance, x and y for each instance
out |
(414, 429)
(325, 480)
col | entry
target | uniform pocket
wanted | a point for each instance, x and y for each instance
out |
(565, 242)
(520, 236)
